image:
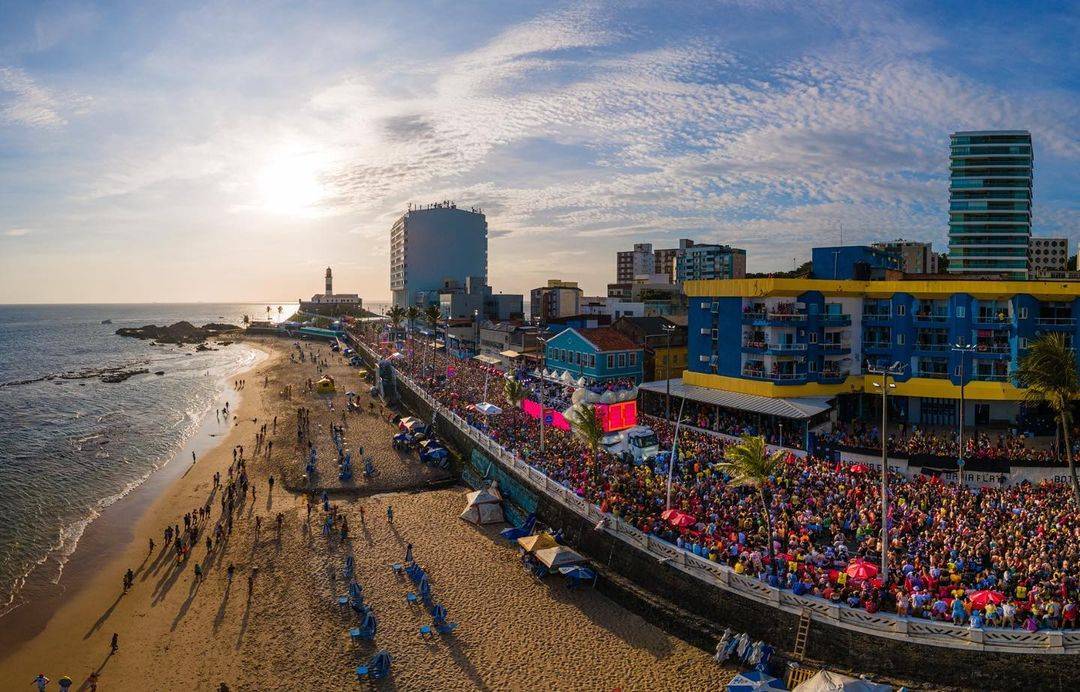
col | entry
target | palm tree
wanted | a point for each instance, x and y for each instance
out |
(515, 393)
(279, 311)
(246, 319)
(587, 426)
(432, 313)
(1049, 373)
(750, 465)
(396, 315)
(267, 313)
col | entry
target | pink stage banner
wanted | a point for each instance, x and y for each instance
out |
(554, 418)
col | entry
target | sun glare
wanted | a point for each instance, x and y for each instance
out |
(290, 184)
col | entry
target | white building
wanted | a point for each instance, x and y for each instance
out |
(1048, 255)
(329, 298)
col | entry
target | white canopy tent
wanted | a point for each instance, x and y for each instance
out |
(484, 506)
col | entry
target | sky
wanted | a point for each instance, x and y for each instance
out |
(231, 151)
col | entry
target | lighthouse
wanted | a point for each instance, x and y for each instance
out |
(329, 283)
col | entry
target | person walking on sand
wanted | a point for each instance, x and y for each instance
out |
(389, 514)
(114, 645)
(193, 457)
(198, 572)
(271, 482)
(229, 572)
(151, 545)
(41, 681)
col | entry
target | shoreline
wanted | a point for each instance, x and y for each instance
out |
(106, 537)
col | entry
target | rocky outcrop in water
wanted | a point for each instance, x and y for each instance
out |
(120, 376)
(178, 333)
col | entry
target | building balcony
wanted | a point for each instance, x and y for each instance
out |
(773, 318)
(781, 348)
(1055, 321)
(991, 377)
(876, 315)
(992, 349)
(877, 346)
(836, 320)
(777, 377)
(992, 320)
(841, 348)
(932, 374)
(930, 317)
(931, 347)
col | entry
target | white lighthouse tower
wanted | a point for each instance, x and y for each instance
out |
(329, 283)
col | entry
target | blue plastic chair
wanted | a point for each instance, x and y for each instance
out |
(411, 598)
(426, 632)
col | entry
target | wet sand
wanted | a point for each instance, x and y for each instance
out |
(288, 632)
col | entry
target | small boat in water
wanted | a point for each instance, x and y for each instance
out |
(106, 321)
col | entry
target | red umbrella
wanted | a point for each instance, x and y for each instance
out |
(979, 599)
(860, 570)
(860, 468)
(677, 518)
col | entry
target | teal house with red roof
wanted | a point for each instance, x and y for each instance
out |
(599, 355)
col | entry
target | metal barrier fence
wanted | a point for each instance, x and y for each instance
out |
(886, 625)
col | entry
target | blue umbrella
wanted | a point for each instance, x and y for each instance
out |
(425, 587)
(754, 680)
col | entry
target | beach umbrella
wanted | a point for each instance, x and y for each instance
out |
(754, 680)
(558, 556)
(860, 570)
(860, 468)
(677, 518)
(578, 572)
(537, 542)
(979, 599)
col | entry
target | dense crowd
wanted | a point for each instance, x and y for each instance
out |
(948, 543)
(910, 440)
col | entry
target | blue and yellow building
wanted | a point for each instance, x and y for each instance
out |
(813, 339)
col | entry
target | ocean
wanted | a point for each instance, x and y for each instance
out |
(70, 444)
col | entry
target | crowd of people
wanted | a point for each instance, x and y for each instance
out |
(947, 542)
(911, 440)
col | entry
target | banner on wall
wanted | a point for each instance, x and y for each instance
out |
(551, 417)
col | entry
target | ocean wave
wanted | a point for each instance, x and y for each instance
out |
(69, 535)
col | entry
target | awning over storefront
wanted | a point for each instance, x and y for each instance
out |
(489, 360)
(799, 409)
(509, 353)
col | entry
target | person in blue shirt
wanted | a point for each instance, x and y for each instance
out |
(958, 612)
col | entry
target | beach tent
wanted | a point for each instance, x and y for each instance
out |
(827, 681)
(325, 385)
(754, 680)
(540, 541)
(559, 556)
(483, 508)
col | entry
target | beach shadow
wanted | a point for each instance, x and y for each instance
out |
(155, 565)
(97, 671)
(244, 622)
(104, 616)
(220, 616)
(461, 660)
(192, 592)
(165, 584)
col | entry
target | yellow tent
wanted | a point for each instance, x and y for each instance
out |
(537, 542)
(325, 385)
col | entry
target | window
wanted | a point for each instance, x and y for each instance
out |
(899, 339)
(1023, 313)
(611, 361)
(901, 310)
(813, 337)
(960, 310)
(813, 366)
(633, 359)
(622, 360)
(1023, 342)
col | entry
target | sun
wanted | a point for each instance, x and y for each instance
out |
(290, 184)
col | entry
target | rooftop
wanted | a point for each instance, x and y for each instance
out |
(608, 339)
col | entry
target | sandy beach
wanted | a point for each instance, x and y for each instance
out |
(288, 632)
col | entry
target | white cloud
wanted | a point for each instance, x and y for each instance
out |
(16, 232)
(23, 101)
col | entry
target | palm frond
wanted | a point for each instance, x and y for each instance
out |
(749, 463)
(586, 424)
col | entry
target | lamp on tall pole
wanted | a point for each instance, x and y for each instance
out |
(543, 369)
(963, 350)
(669, 329)
(674, 453)
(892, 371)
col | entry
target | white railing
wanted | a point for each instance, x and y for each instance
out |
(887, 625)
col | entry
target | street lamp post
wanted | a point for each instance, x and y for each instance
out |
(670, 329)
(885, 373)
(674, 452)
(963, 350)
(543, 369)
